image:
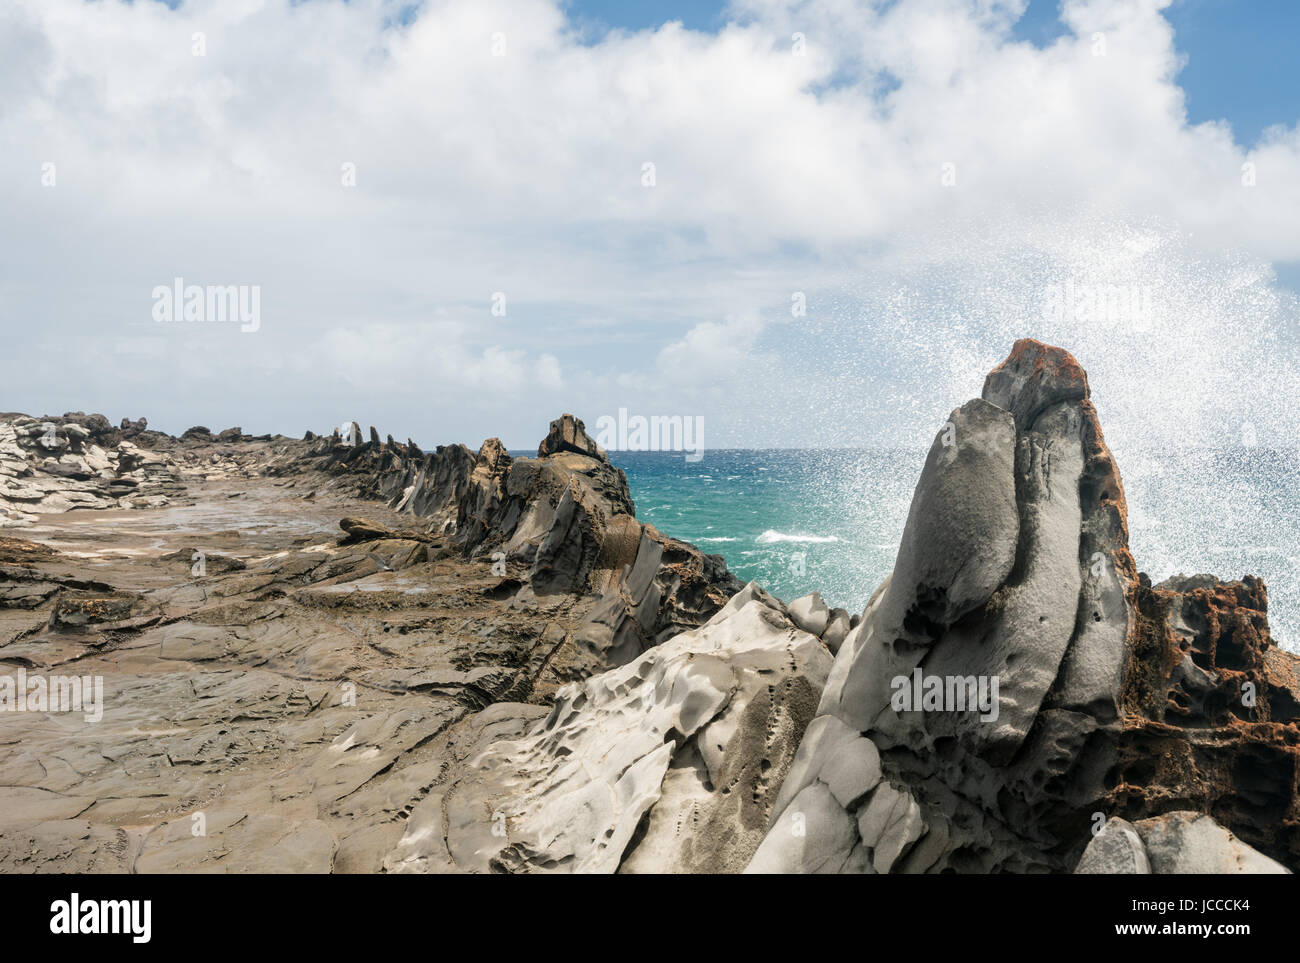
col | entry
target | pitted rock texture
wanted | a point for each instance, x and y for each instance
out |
(1114, 697)
(1211, 714)
(355, 656)
(294, 665)
(670, 763)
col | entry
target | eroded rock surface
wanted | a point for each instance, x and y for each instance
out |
(291, 667)
(1114, 697)
(1175, 843)
(670, 763)
(347, 654)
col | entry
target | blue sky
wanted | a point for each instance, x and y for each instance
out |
(781, 176)
(1242, 63)
(1241, 60)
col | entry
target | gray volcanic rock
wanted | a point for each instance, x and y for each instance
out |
(569, 434)
(303, 694)
(358, 530)
(299, 705)
(810, 613)
(837, 629)
(57, 464)
(812, 835)
(1191, 842)
(667, 587)
(499, 668)
(1175, 843)
(958, 547)
(563, 524)
(1033, 379)
(1117, 848)
(1014, 571)
(361, 530)
(667, 764)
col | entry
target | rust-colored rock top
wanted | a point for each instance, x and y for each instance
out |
(1034, 377)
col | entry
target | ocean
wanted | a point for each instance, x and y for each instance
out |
(830, 520)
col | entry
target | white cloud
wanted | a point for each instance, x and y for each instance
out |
(522, 173)
(389, 356)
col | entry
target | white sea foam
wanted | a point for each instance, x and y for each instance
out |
(770, 537)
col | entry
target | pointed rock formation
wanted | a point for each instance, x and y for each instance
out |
(569, 434)
(564, 521)
(553, 685)
(1017, 676)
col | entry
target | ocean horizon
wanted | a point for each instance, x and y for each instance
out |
(828, 520)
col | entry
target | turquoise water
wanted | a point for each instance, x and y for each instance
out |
(794, 521)
(830, 520)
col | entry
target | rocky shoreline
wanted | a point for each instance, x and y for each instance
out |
(348, 654)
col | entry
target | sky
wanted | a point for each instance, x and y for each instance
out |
(1240, 62)
(807, 222)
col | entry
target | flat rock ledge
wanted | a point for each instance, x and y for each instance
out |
(344, 653)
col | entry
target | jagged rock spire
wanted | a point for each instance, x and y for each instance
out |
(1014, 568)
(569, 434)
